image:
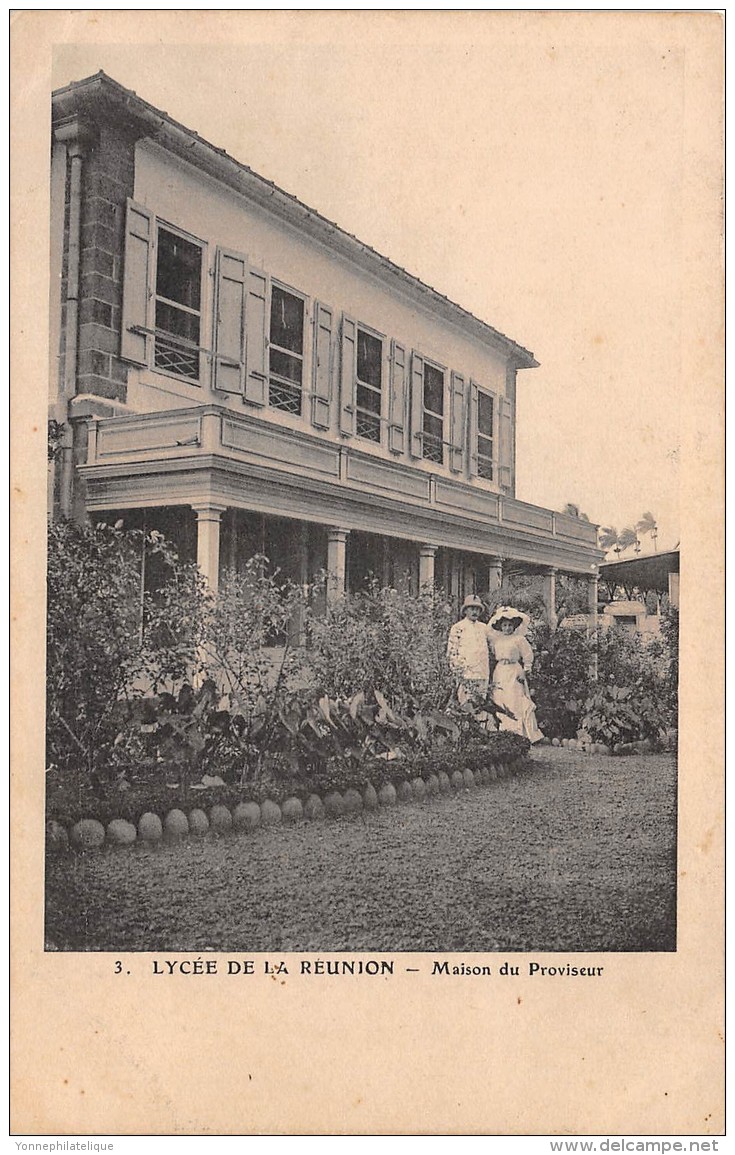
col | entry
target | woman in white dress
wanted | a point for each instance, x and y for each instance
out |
(513, 661)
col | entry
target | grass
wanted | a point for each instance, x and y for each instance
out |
(579, 854)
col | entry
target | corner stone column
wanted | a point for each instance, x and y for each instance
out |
(427, 559)
(336, 563)
(549, 594)
(209, 517)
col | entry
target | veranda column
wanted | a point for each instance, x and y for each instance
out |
(592, 602)
(592, 619)
(427, 559)
(336, 563)
(549, 593)
(494, 574)
(209, 517)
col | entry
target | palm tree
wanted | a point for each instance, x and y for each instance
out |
(610, 539)
(647, 524)
(628, 537)
(572, 510)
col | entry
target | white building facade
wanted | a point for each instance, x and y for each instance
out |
(238, 372)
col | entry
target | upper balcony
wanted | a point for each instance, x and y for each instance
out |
(210, 454)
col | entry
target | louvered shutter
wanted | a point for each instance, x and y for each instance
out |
(456, 455)
(136, 338)
(472, 428)
(348, 375)
(231, 271)
(417, 405)
(256, 350)
(321, 397)
(505, 436)
(397, 408)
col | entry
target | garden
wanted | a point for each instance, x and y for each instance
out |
(171, 714)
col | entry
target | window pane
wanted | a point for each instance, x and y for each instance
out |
(179, 269)
(368, 399)
(286, 366)
(433, 426)
(369, 356)
(175, 321)
(287, 320)
(485, 414)
(433, 389)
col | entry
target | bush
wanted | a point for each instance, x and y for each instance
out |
(386, 640)
(108, 641)
(560, 679)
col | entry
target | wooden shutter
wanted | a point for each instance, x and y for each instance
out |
(505, 436)
(256, 336)
(397, 407)
(472, 429)
(457, 423)
(136, 338)
(321, 397)
(231, 271)
(417, 405)
(348, 374)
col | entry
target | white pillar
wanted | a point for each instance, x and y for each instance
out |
(592, 601)
(336, 562)
(427, 558)
(593, 620)
(550, 594)
(494, 574)
(209, 517)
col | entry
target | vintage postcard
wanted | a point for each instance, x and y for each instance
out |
(367, 593)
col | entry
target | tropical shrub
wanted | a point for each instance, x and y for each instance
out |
(109, 641)
(622, 714)
(560, 679)
(387, 640)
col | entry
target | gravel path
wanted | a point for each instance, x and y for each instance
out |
(577, 854)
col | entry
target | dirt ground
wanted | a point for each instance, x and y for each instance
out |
(577, 854)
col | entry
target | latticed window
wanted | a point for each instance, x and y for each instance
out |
(485, 425)
(178, 305)
(369, 386)
(433, 420)
(286, 351)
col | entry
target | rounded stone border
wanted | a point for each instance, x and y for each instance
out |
(88, 834)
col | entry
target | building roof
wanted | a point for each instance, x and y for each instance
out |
(99, 97)
(647, 573)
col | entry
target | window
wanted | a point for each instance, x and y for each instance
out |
(286, 351)
(178, 315)
(433, 414)
(485, 420)
(369, 386)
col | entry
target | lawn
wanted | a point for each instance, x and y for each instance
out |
(579, 853)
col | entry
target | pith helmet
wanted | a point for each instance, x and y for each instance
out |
(472, 600)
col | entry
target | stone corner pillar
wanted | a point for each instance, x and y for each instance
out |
(336, 562)
(209, 516)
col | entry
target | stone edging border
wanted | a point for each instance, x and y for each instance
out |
(89, 834)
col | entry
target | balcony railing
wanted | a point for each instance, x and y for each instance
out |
(177, 435)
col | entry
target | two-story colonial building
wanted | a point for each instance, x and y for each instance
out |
(239, 372)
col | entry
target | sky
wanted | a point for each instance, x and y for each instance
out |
(536, 179)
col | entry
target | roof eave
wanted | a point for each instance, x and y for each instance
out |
(99, 94)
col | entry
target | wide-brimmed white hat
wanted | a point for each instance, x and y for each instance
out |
(472, 600)
(508, 613)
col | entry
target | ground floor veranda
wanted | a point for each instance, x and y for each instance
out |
(338, 560)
